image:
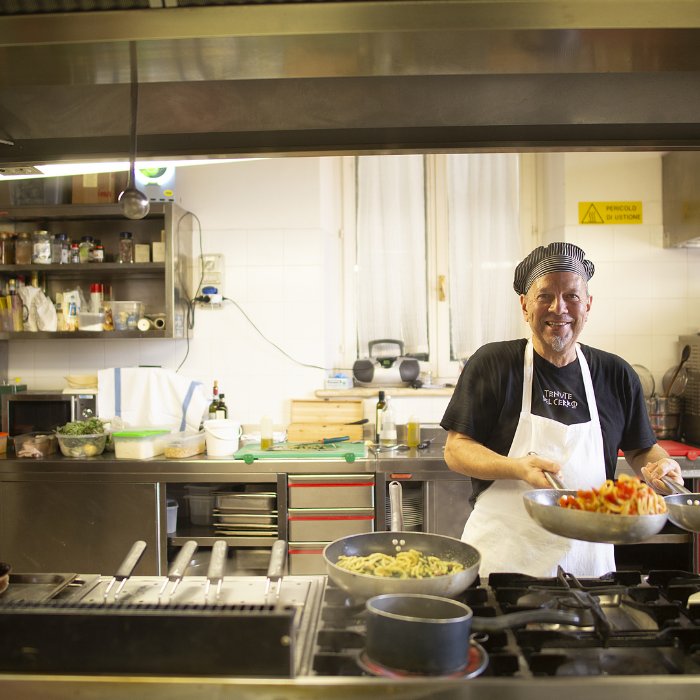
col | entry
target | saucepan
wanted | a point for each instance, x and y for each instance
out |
(683, 507)
(543, 506)
(431, 635)
(363, 586)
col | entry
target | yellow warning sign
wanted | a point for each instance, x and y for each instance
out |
(610, 213)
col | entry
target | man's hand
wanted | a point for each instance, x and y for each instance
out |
(667, 467)
(531, 469)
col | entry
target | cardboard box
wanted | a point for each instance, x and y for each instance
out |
(157, 251)
(98, 188)
(142, 253)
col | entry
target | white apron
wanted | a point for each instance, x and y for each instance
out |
(507, 538)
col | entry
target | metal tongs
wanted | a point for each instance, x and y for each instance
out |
(178, 568)
(275, 570)
(217, 564)
(126, 568)
(554, 481)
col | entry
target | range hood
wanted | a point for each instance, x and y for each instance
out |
(398, 76)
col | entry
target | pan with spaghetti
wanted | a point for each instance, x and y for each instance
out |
(623, 511)
(375, 563)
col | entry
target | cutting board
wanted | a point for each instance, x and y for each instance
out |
(349, 451)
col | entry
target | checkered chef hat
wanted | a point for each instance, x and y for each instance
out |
(556, 257)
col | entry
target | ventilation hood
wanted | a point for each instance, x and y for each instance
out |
(233, 79)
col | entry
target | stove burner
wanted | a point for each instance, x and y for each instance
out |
(476, 664)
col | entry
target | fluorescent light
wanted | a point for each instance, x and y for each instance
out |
(60, 169)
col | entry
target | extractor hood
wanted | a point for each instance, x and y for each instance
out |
(232, 79)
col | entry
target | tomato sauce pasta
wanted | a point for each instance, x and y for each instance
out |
(626, 496)
(408, 564)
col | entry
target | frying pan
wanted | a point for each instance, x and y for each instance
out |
(683, 507)
(363, 586)
(543, 506)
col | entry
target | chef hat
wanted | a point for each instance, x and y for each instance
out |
(556, 257)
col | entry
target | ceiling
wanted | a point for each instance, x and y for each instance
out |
(233, 79)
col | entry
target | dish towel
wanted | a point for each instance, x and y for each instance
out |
(150, 396)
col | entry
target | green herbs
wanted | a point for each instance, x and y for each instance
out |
(93, 426)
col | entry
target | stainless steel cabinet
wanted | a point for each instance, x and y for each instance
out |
(79, 527)
(164, 287)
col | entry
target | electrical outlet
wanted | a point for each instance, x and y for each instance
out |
(212, 272)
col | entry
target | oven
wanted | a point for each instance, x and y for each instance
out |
(44, 411)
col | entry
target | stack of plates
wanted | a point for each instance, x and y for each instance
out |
(412, 510)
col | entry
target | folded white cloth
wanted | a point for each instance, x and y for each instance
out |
(150, 396)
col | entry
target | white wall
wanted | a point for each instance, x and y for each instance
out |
(276, 222)
(644, 295)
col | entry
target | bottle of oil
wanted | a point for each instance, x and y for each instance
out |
(387, 438)
(266, 438)
(413, 432)
(379, 414)
(221, 408)
(215, 401)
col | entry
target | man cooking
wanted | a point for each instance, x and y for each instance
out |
(525, 407)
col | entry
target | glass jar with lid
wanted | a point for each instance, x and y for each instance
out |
(41, 248)
(60, 249)
(86, 247)
(126, 247)
(7, 248)
(23, 248)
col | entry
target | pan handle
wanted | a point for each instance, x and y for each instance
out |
(518, 619)
(674, 485)
(396, 506)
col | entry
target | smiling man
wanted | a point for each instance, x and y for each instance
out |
(548, 404)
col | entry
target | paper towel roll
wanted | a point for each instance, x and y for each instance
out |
(144, 324)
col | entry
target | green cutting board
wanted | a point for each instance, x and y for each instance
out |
(349, 451)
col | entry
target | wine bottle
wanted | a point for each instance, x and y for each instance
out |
(221, 408)
(379, 414)
(215, 401)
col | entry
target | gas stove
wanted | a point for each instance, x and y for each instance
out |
(633, 625)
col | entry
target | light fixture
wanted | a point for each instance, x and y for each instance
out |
(133, 203)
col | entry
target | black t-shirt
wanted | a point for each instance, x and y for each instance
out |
(488, 397)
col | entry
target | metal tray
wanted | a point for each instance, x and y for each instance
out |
(34, 588)
(250, 501)
(245, 533)
(221, 518)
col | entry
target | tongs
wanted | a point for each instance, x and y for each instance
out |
(275, 570)
(217, 564)
(674, 486)
(178, 568)
(126, 568)
(554, 481)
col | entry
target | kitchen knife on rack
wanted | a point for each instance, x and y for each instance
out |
(126, 568)
(217, 565)
(275, 571)
(178, 568)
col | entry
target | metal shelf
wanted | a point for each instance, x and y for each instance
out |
(72, 269)
(39, 212)
(74, 335)
(208, 540)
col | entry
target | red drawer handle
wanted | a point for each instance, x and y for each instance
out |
(401, 476)
(330, 517)
(306, 551)
(326, 485)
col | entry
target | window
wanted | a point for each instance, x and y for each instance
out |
(431, 244)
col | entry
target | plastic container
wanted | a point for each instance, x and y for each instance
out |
(171, 509)
(126, 315)
(222, 437)
(35, 445)
(82, 445)
(185, 444)
(201, 509)
(138, 443)
(88, 321)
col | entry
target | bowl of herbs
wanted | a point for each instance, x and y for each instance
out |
(82, 438)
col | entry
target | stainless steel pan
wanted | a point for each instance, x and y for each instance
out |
(683, 507)
(363, 586)
(543, 506)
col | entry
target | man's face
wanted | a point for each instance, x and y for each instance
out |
(556, 306)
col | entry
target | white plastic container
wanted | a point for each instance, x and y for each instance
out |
(138, 443)
(184, 444)
(222, 436)
(171, 507)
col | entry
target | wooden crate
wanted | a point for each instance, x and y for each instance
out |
(314, 420)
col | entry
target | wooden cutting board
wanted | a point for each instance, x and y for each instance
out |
(349, 451)
(320, 411)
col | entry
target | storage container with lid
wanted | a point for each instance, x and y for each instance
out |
(7, 248)
(41, 248)
(126, 248)
(23, 248)
(139, 443)
(184, 444)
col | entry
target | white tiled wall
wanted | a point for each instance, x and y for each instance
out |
(276, 222)
(644, 295)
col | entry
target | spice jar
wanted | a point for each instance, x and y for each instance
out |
(98, 253)
(126, 247)
(86, 247)
(7, 248)
(41, 248)
(23, 249)
(74, 252)
(59, 249)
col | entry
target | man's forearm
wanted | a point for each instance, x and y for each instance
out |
(469, 457)
(640, 458)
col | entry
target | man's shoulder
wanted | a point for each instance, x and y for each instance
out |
(606, 361)
(501, 350)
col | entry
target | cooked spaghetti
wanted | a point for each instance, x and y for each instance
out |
(626, 496)
(408, 564)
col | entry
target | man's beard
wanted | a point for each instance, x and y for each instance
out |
(558, 343)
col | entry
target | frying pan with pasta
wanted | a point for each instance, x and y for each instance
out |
(619, 523)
